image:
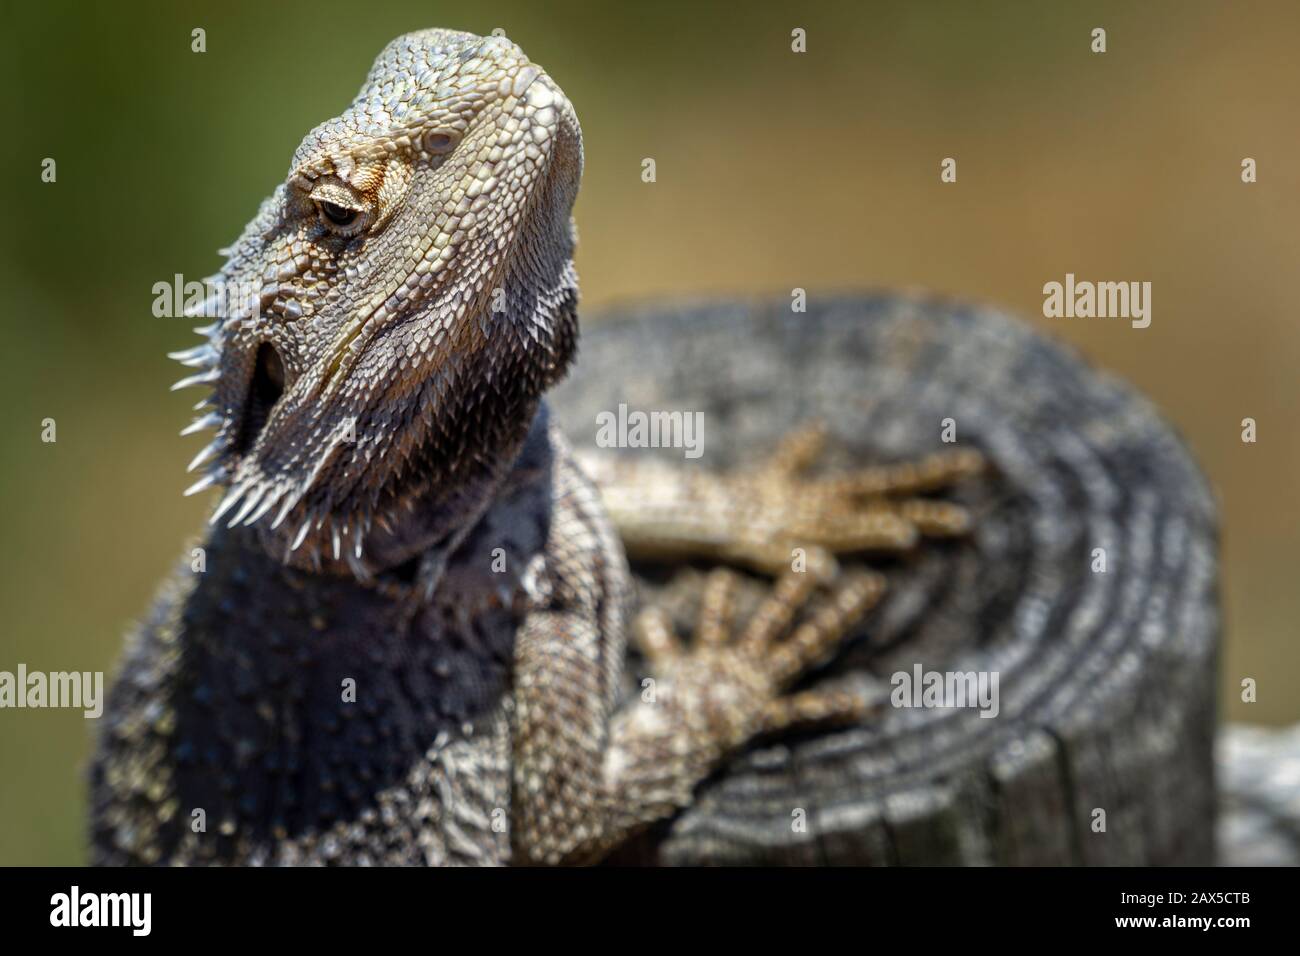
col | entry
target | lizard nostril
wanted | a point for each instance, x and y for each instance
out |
(264, 391)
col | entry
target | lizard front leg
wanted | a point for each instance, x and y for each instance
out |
(758, 516)
(586, 780)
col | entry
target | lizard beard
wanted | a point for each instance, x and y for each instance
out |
(452, 466)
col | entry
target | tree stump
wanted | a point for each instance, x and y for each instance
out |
(1259, 818)
(1106, 678)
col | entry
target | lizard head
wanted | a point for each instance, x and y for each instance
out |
(391, 317)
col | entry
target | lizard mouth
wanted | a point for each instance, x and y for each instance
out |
(263, 392)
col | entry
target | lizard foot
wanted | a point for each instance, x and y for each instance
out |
(734, 678)
(765, 516)
(876, 508)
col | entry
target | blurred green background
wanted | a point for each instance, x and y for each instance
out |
(775, 170)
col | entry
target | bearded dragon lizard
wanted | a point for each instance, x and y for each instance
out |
(404, 641)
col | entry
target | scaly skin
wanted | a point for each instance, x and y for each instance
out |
(763, 517)
(405, 644)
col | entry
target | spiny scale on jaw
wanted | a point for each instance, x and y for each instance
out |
(204, 357)
(411, 286)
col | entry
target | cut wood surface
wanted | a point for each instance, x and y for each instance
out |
(1106, 678)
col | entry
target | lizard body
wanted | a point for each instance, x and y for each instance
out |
(406, 643)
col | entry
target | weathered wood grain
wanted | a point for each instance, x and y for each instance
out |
(1106, 679)
(1259, 774)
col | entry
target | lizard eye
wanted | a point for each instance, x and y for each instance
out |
(336, 214)
(439, 141)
